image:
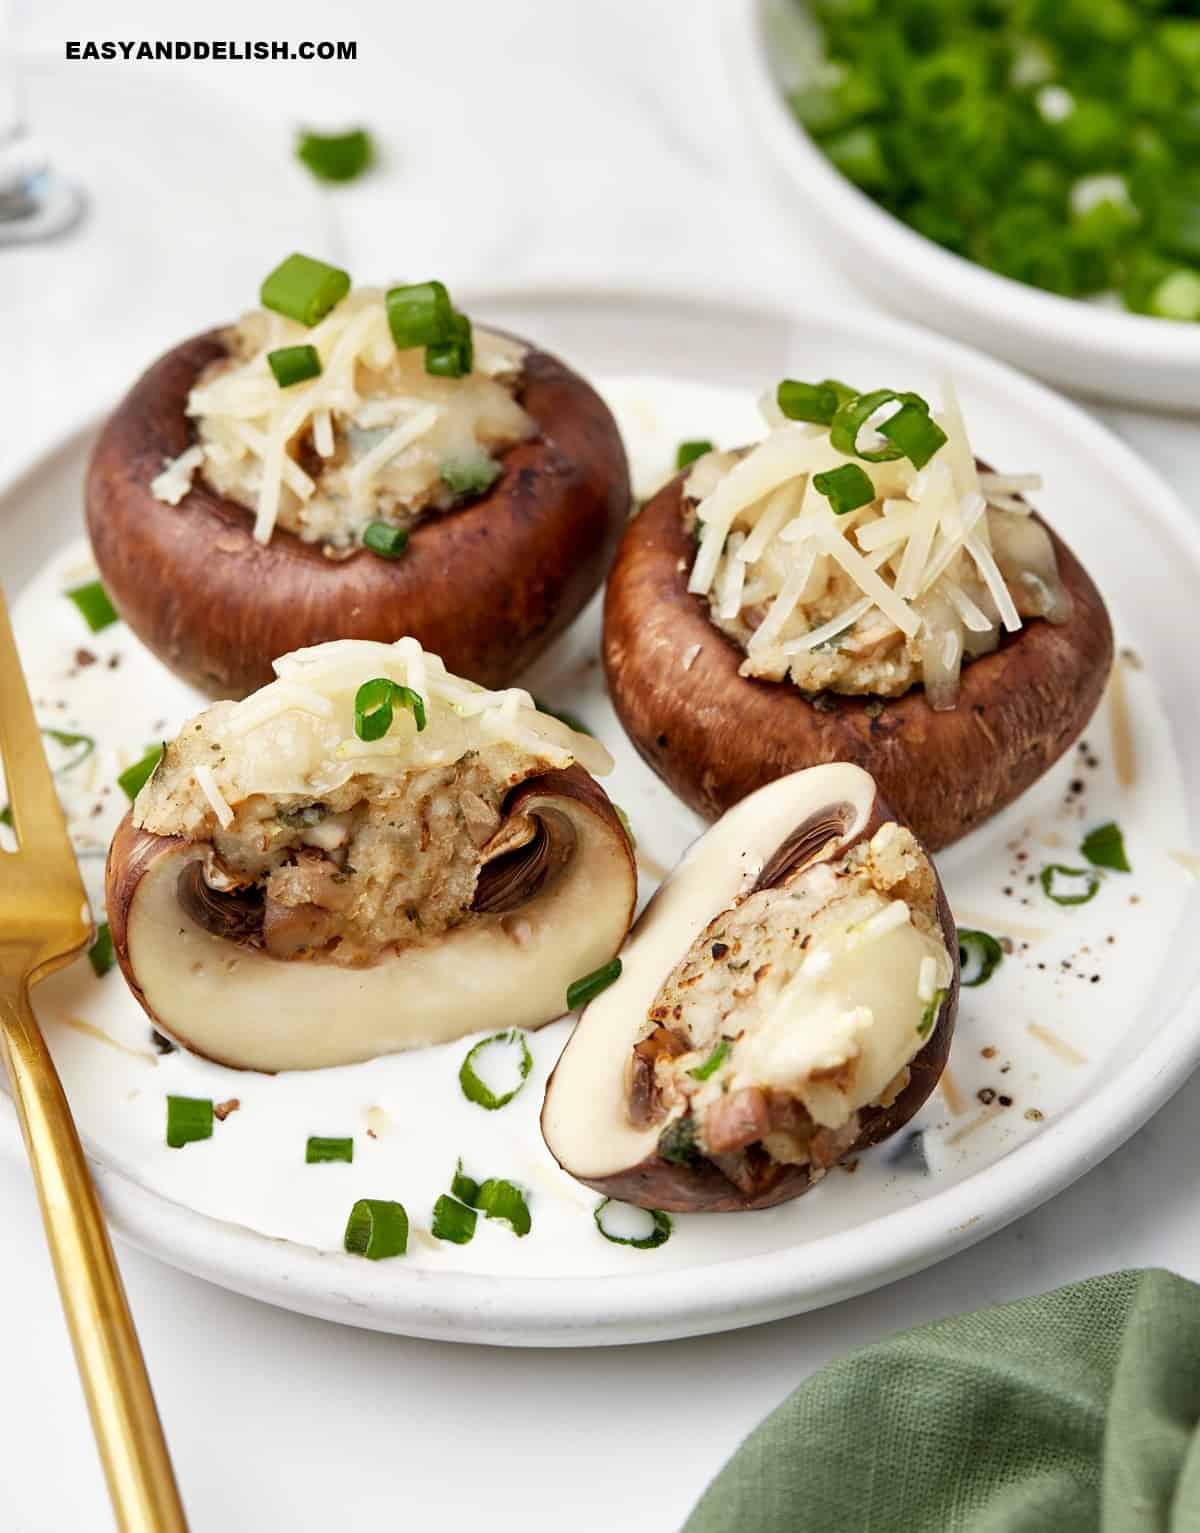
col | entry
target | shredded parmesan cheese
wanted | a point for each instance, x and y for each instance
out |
(207, 784)
(901, 591)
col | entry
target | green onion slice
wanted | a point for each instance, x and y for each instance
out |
(1104, 847)
(470, 476)
(713, 1063)
(657, 1235)
(454, 358)
(294, 364)
(453, 1221)
(1054, 873)
(854, 414)
(376, 1229)
(6, 816)
(581, 991)
(93, 602)
(477, 1091)
(979, 956)
(134, 778)
(815, 402)
(101, 955)
(463, 1187)
(318, 1151)
(915, 433)
(420, 314)
(677, 1142)
(929, 1015)
(687, 452)
(385, 540)
(336, 156)
(374, 705)
(83, 745)
(502, 1200)
(845, 488)
(189, 1119)
(304, 289)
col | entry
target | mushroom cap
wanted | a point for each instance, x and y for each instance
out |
(487, 585)
(506, 967)
(804, 818)
(714, 736)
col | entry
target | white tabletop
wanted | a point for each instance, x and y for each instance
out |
(522, 140)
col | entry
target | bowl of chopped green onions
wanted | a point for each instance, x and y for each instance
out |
(1024, 174)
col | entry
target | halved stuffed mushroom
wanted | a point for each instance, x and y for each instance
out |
(787, 998)
(357, 464)
(368, 855)
(837, 594)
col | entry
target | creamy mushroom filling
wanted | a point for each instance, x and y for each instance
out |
(795, 1010)
(316, 842)
(900, 591)
(373, 438)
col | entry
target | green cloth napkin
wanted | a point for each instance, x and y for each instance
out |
(1074, 1412)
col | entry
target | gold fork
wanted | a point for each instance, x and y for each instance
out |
(44, 923)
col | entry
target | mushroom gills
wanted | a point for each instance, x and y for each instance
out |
(815, 964)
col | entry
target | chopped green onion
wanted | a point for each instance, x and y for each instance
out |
(374, 705)
(475, 1090)
(319, 1151)
(304, 289)
(979, 956)
(713, 1063)
(470, 476)
(453, 1221)
(854, 414)
(929, 1015)
(581, 991)
(453, 358)
(189, 1119)
(385, 540)
(658, 1234)
(134, 778)
(571, 720)
(463, 1187)
(6, 817)
(294, 364)
(101, 955)
(502, 1200)
(845, 488)
(336, 156)
(815, 402)
(1051, 876)
(687, 452)
(420, 314)
(677, 1142)
(913, 431)
(92, 601)
(376, 1229)
(68, 740)
(1104, 847)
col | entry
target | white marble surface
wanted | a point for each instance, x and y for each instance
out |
(523, 140)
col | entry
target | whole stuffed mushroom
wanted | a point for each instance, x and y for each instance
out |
(795, 603)
(328, 468)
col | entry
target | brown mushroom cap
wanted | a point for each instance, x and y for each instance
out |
(723, 864)
(558, 907)
(715, 736)
(486, 586)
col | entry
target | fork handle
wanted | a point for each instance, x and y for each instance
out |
(125, 1420)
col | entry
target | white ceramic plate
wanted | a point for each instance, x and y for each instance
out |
(1133, 1037)
(1083, 346)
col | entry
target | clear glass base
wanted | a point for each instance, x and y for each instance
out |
(41, 207)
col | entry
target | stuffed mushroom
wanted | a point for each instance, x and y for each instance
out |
(366, 856)
(353, 464)
(837, 594)
(787, 998)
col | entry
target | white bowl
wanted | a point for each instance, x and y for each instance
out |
(1082, 346)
